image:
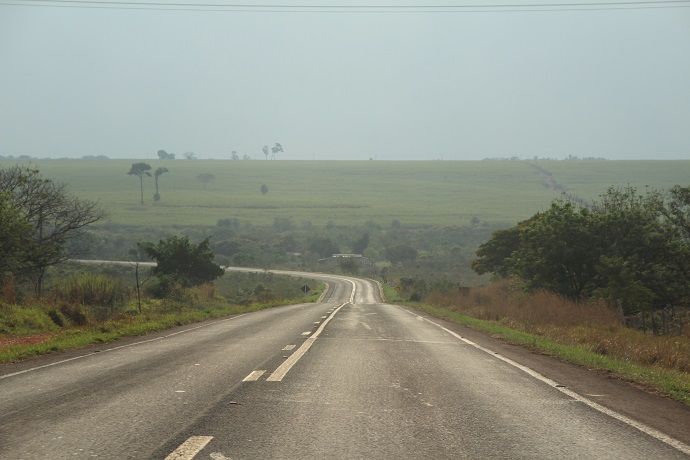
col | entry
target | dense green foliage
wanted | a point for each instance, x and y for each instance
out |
(630, 248)
(182, 261)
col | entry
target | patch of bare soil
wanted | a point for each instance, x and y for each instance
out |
(6, 341)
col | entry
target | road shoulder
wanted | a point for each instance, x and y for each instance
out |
(634, 401)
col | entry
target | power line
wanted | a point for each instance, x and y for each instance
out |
(380, 8)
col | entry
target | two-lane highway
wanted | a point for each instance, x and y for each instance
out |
(349, 377)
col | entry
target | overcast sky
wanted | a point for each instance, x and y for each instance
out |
(126, 83)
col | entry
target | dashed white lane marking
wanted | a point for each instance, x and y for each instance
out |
(253, 376)
(284, 368)
(306, 333)
(120, 347)
(366, 326)
(317, 322)
(656, 434)
(188, 449)
(288, 347)
(324, 317)
(219, 456)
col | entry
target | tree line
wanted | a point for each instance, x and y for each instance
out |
(628, 247)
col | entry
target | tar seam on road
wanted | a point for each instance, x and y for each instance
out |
(656, 434)
(284, 368)
(118, 347)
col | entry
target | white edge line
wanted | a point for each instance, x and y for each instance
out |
(666, 439)
(118, 347)
(285, 367)
(188, 449)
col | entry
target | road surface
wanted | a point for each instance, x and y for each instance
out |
(348, 377)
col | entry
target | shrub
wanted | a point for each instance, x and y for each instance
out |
(56, 317)
(74, 314)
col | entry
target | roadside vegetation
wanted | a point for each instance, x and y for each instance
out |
(87, 305)
(602, 284)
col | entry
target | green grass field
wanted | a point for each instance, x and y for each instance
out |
(347, 192)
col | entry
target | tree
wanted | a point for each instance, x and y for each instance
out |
(264, 189)
(15, 241)
(323, 247)
(234, 156)
(205, 178)
(624, 248)
(52, 216)
(361, 244)
(677, 211)
(183, 261)
(494, 255)
(401, 253)
(276, 149)
(140, 170)
(159, 172)
(349, 266)
(189, 156)
(163, 155)
(266, 151)
(557, 250)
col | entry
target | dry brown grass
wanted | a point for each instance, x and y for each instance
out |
(592, 324)
(207, 291)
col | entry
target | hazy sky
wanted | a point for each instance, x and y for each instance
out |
(126, 83)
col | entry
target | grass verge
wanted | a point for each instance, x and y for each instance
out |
(672, 383)
(128, 326)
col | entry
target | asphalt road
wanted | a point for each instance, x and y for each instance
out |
(349, 377)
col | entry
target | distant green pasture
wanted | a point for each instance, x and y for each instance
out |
(345, 192)
(588, 179)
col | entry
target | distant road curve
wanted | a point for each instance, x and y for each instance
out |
(366, 294)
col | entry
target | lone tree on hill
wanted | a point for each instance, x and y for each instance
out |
(205, 178)
(140, 170)
(276, 148)
(264, 189)
(163, 155)
(156, 175)
(266, 151)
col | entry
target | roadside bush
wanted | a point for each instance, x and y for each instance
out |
(163, 286)
(56, 317)
(74, 314)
